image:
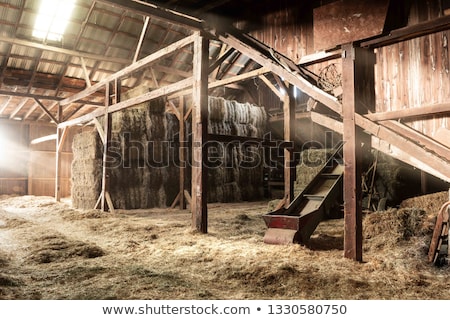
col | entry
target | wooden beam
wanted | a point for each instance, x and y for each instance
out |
(100, 131)
(410, 32)
(163, 91)
(141, 39)
(168, 15)
(28, 95)
(352, 157)
(408, 146)
(240, 77)
(227, 81)
(106, 152)
(43, 108)
(419, 112)
(200, 132)
(216, 64)
(327, 122)
(289, 135)
(85, 72)
(393, 144)
(18, 108)
(418, 137)
(183, 144)
(68, 52)
(61, 135)
(5, 104)
(402, 155)
(271, 87)
(319, 57)
(130, 69)
(283, 71)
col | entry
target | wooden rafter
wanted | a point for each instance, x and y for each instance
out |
(146, 8)
(68, 52)
(282, 71)
(46, 111)
(18, 108)
(141, 38)
(128, 70)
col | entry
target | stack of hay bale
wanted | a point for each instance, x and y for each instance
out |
(86, 170)
(144, 170)
(241, 173)
(147, 176)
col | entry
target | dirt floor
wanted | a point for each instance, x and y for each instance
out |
(50, 251)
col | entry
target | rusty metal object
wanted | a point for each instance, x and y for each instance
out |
(297, 222)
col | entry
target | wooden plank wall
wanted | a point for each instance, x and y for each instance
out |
(288, 32)
(415, 73)
(13, 158)
(31, 168)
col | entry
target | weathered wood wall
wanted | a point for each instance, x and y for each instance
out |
(408, 74)
(27, 168)
(416, 73)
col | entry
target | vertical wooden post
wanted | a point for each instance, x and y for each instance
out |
(289, 135)
(107, 132)
(182, 154)
(200, 133)
(358, 97)
(58, 157)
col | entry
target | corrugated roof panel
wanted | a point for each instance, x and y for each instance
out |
(108, 8)
(28, 17)
(132, 26)
(9, 14)
(51, 68)
(74, 72)
(7, 30)
(54, 56)
(4, 48)
(81, 10)
(101, 18)
(18, 63)
(25, 51)
(99, 75)
(120, 53)
(90, 47)
(124, 40)
(96, 34)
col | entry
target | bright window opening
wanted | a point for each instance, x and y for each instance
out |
(52, 19)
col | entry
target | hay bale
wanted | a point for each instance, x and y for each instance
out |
(389, 228)
(143, 138)
(86, 170)
(236, 179)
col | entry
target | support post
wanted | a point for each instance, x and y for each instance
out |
(358, 97)
(289, 135)
(104, 197)
(200, 133)
(182, 153)
(60, 135)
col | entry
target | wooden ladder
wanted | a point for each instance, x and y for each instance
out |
(440, 235)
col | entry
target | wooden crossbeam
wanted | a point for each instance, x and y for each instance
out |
(130, 69)
(282, 71)
(419, 112)
(46, 110)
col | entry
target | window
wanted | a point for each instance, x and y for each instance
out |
(52, 19)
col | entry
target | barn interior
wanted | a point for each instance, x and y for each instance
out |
(224, 149)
